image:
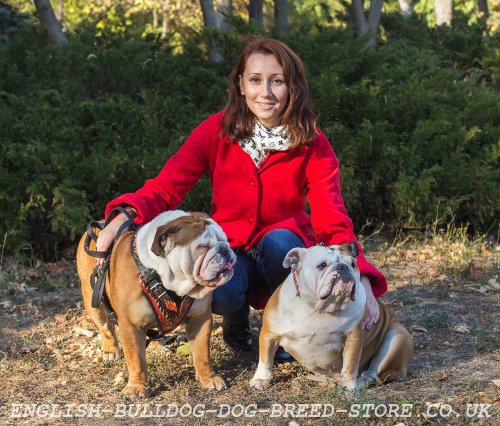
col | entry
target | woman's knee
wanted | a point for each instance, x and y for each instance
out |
(232, 296)
(278, 242)
(272, 251)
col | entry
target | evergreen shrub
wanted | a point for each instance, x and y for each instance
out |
(415, 123)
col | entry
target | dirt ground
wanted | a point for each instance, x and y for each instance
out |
(445, 293)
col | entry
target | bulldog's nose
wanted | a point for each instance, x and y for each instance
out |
(223, 250)
(340, 267)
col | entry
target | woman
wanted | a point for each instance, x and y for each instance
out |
(265, 157)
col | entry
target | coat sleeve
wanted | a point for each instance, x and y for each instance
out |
(179, 174)
(329, 217)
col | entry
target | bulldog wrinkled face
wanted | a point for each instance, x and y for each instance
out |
(196, 250)
(327, 275)
(214, 258)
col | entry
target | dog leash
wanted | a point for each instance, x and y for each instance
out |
(98, 276)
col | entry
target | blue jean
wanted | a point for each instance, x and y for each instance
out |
(252, 272)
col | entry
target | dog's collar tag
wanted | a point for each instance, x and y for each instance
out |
(296, 280)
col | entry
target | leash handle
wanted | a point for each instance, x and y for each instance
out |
(98, 276)
(92, 236)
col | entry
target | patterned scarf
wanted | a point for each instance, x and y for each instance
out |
(263, 141)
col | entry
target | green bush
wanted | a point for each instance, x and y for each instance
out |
(415, 123)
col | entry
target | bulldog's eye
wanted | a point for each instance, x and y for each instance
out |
(203, 247)
(322, 266)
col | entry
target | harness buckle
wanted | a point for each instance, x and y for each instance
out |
(149, 276)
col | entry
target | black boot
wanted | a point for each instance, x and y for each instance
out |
(282, 356)
(236, 330)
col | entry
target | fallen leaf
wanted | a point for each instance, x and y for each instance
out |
(183, 350)
(60, 318)
(28, 349)
(396, 304)
(417, 328)
(317, 378)
(482, 290)
(118, 378)
(442, 376)
(485, 251)
(83, 331)
(496, 382)
(462, 328)
(474, 272)
(493, 285)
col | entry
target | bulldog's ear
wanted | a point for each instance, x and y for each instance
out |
(199, 216)
(350, 249)
(292, 258)
(164, 242)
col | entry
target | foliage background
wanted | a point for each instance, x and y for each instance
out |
(415, 121)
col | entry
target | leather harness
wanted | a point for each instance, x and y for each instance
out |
(169, 308)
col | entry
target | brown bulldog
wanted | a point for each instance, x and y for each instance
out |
(191, 255)
(316, 316)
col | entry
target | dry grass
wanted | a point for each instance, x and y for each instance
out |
(444, 289)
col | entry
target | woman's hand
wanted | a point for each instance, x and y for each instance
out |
(108, 235)
(372, 311)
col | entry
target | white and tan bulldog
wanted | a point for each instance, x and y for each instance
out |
(191, 254)
(317, 318)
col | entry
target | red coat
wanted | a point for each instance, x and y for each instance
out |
(248, 202)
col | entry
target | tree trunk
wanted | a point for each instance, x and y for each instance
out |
(374, 15)
(443, 11)
(164, 24)
(359, 17)
(209, 15)
(281, 16)
(60, 10)
(406, 7)
(50, 23)
(211, 22)
(255, 13)
(155, 18)
(370, 25)
(482, 6)
(224, 12)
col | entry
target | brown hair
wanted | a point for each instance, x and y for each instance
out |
(298, 117)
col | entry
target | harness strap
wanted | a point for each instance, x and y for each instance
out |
(168, 307)
(98, 276)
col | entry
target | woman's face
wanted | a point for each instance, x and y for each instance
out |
(263, 85)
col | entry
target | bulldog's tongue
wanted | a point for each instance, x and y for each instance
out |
(227, 267)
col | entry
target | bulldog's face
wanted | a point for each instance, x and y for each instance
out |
(196, 249)
(326, 275)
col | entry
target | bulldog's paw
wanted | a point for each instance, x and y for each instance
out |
(349, 386)
(136, 391)
(260, 384)
(213, 383)
(110, 356)
(367, 380)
